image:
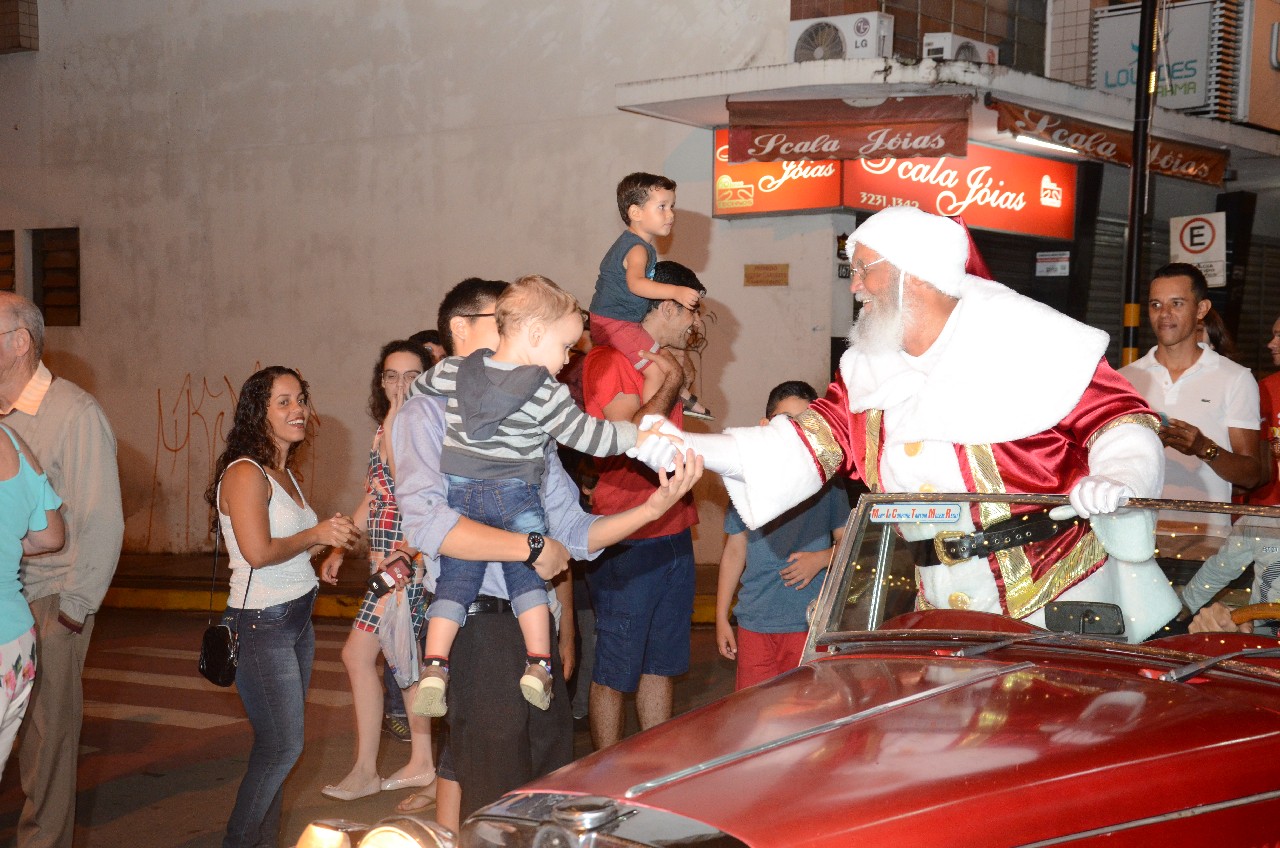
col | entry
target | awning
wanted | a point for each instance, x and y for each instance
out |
(899, 127)
(1107, 144)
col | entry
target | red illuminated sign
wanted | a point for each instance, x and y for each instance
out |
(752, 188)
(991, 189)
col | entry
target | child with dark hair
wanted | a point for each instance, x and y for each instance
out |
(776, 570)
(627, 285)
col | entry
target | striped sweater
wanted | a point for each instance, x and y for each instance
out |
(498, 418)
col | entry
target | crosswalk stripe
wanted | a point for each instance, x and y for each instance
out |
(192, 656)
(323, 697)
(157, 715)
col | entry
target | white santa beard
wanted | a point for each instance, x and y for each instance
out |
(881, 328)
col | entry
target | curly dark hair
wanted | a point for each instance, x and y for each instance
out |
(378, 402)
(250, 436)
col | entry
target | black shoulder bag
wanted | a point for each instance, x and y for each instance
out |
(221, 644)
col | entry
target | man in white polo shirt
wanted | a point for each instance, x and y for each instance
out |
(1208, 404)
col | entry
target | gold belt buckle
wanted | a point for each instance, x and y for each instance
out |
(939, 546)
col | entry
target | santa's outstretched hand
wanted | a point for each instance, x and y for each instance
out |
(1098, 495)
(719, 452)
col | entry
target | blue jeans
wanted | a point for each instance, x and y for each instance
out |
(277, 646)
(506, 504)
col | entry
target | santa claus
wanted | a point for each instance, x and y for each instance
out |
(955, 383)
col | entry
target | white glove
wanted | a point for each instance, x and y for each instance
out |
(719, 452)
(1098, 495)
(657, 453)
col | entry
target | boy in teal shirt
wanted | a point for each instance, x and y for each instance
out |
(777, 569)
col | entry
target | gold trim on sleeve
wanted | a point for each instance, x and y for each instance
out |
(871, 461)
(1142, 419)
(822, 442)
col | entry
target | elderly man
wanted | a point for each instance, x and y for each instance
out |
(69, 434)
(953, 383)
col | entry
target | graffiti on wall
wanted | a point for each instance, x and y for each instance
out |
(191, 426)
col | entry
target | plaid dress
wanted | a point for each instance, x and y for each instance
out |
(384, 531)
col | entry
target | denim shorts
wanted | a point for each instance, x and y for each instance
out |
(508, 505)
(642, 591)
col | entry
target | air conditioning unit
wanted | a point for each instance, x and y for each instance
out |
(865, 36)
(949, 47)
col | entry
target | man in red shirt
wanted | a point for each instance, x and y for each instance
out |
(642, 588)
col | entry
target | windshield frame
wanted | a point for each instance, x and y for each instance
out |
(836, 586)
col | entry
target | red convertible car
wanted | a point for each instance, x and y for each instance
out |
(907, 727)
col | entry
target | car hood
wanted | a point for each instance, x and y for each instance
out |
(895, 747)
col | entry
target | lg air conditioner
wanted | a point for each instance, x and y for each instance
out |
(949, 47)
(864, 36)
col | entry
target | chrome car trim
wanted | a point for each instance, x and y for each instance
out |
(529, 819)
(1189, 812)
(817, 730)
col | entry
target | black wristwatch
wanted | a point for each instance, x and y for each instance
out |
(536, 544)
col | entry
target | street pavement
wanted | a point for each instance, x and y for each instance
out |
(163, 750)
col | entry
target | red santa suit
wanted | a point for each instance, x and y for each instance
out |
(1013, 397)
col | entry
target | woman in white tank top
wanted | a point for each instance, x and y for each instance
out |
(270, 532)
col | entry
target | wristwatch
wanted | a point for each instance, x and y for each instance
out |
(1210, 453)
(536, 543)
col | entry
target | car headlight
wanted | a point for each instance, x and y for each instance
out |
(408, 832)
(397, 832)
(535, 820)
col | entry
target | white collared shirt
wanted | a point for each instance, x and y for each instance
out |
(1215, 394)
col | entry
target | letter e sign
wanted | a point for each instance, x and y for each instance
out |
(1201, 240)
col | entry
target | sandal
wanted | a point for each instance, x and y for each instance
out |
(418, 801)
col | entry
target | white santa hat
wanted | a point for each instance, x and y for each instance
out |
(929, 247)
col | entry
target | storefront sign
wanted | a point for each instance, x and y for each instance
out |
(1202, 241)
(1171, 158)
(902, 127)
(990, 188)
(1183, 70)
(755, 187)
(1260, 84)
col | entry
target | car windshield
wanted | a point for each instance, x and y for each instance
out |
(1204, 551)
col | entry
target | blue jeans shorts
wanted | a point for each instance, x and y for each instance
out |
(507, 504)
(642, 591)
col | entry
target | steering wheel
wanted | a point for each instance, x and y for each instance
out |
(1254, 612)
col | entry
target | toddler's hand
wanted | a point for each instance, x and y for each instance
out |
(657, 444)
(688, 298)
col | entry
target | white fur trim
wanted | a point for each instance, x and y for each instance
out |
(928, 247)
(1130, 454)
(778, 471)
(1010, 367)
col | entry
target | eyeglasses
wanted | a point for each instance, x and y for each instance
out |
(14, 330)
(392, 377)
(859, 268)
(475, 315)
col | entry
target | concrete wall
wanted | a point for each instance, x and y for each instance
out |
(297, 182)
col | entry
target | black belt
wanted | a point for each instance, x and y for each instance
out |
(954, 547)
(485, 604)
